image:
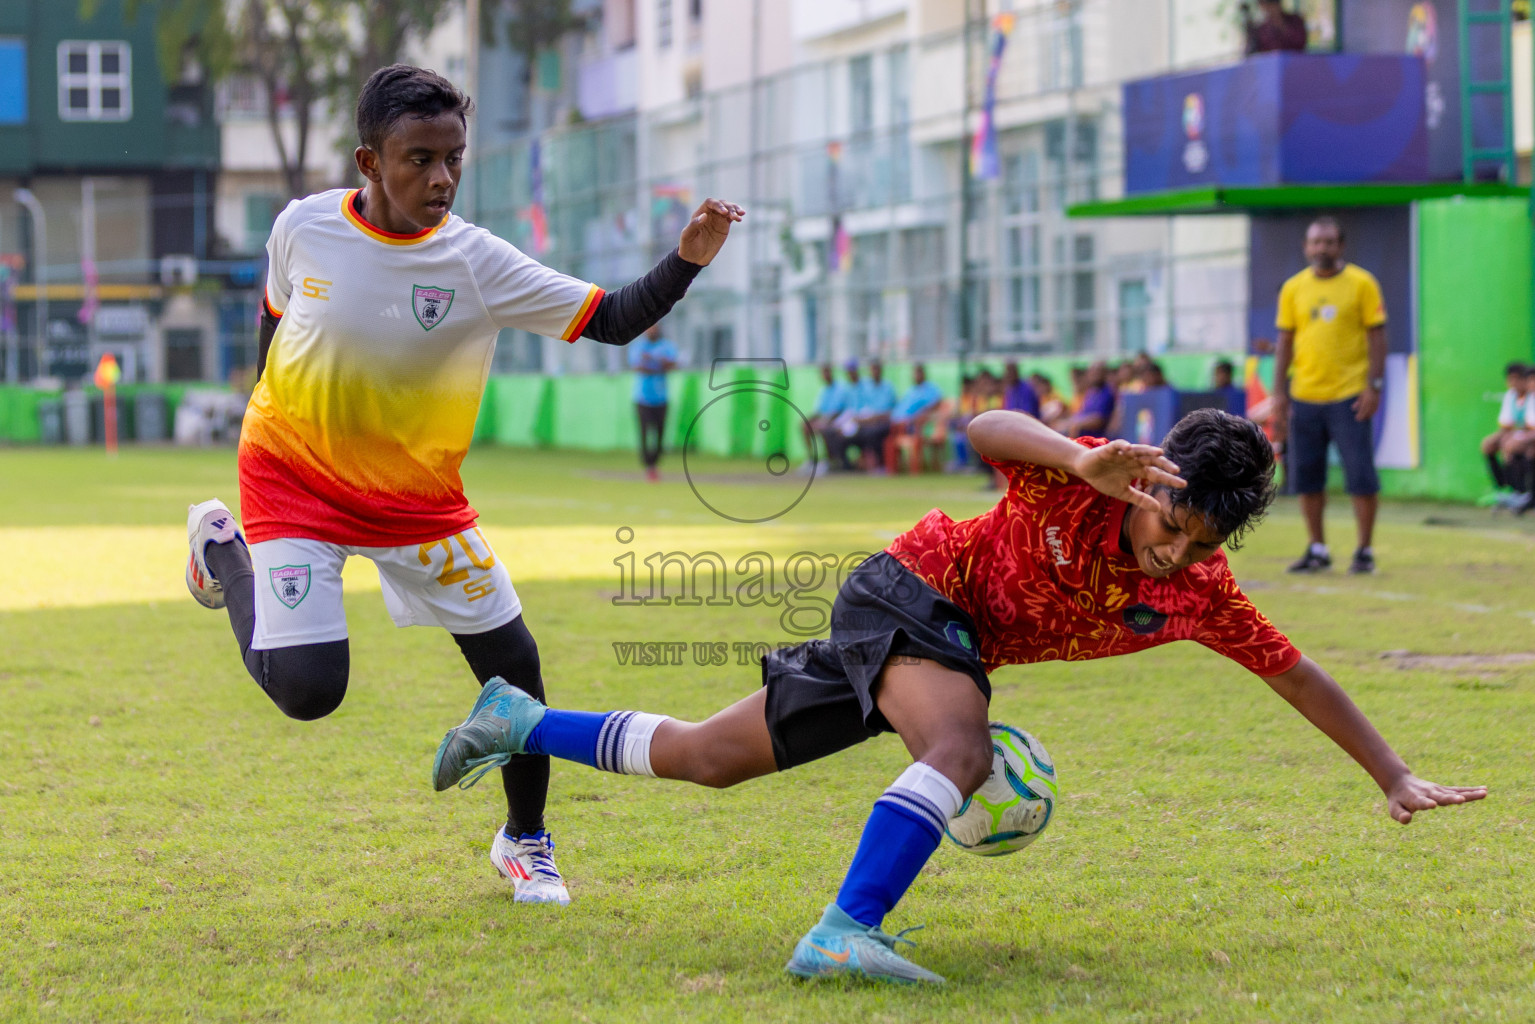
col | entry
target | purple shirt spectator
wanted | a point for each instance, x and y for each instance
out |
(1022, 398)
(1099, 401)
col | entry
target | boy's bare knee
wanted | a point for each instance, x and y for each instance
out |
(966, 763)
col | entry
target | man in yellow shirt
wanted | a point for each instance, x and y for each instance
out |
(1328, 374)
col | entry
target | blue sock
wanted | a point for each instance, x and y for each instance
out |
(614, 741)
(901, 834)
(571, 735)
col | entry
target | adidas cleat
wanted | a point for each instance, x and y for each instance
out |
(498, 726)
(528, 863)
(839, 945)
(209, 522)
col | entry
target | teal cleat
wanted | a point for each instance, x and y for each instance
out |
(498, 726)
(839, 945)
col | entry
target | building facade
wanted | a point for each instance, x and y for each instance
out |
(843, 127)
(107, 173)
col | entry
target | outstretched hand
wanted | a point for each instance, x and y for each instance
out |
(1126, 471)
(1411, 793)
(706, 232)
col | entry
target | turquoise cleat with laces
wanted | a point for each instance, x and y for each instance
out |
(498, 726)
(839, 945)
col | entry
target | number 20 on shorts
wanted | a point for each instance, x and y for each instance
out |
(474, 588)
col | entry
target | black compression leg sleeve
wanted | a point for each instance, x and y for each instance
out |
(509, 652)
(307, 681)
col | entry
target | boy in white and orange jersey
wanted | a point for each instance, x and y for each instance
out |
(382, 310)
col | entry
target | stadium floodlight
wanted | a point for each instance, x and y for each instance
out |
(25, 197)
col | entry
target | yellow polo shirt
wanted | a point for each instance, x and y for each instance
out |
(1330, 317)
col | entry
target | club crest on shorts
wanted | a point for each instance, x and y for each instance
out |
(430, 304)
(959, 636)
(290, 583)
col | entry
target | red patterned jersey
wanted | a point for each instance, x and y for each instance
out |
(1044, 578)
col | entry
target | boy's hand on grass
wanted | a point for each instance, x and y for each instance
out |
(1411, 793)
(1121, 469)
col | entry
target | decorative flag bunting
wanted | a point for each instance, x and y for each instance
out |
(535, 211)
(840, 251)
(983, 152)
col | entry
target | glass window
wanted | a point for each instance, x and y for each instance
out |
(1134, 300)
(95, 81)
(664, 23)
(13, 81)
(861, 93)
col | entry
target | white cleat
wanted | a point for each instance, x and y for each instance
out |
(208, 522)
(528, 863)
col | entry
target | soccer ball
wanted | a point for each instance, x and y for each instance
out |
(1014, 804)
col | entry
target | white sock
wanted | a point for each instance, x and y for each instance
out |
(1319, 549)
(623, 745)
(926, 791)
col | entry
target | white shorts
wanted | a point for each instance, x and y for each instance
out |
(456, 583)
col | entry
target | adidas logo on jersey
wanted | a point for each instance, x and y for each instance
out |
(392, 311)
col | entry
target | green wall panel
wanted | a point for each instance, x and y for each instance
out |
(595, 412)
(517, 411)
(1474, 284)
(18, 413)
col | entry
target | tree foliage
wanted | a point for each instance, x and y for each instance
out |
(530, 25)
(310, 56)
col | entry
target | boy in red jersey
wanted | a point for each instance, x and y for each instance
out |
(382, 311)
(1098, 548)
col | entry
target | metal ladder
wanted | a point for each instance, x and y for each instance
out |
(1484, 16)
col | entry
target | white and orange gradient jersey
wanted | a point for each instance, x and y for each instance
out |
(358, 426)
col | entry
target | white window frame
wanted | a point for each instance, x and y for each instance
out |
(93, 81)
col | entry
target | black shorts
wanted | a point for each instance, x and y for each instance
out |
(820, 694)
(1312, 426)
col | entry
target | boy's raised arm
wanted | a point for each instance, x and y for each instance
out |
(1317, 696)
(1119, 469)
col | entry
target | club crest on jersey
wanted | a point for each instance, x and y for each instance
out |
(290, 583)
(1143, 619)
(431, 304)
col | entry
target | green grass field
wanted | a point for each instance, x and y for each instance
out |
(172, 847)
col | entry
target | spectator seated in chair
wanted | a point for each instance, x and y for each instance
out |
(1512, 421)
(1052, 407)
(831, 403)
(1235, 398)
(839, 428)
(918, 408)
(876, 401)
(1098, 402)
(1018, 394)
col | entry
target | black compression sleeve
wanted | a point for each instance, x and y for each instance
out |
(624, 315)
(264, 338)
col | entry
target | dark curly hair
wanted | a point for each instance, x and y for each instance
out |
(403, 90)
(1229, 466)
